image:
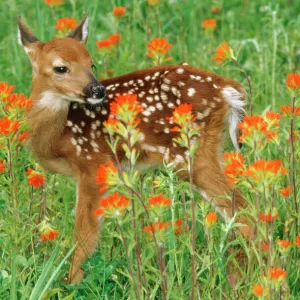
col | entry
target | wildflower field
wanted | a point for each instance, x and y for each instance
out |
(160, 238)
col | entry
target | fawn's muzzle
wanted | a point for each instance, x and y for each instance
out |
(95, 93)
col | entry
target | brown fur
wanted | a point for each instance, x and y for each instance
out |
(51, 136)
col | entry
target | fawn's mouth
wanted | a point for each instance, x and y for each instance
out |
(95, 101)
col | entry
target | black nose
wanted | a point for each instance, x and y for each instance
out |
(95, 90)
(98, 91)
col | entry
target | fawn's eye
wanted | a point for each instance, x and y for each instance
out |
(60, 70)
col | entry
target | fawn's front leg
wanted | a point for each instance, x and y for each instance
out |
(87, 226)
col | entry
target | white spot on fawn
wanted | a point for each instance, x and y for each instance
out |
(165, 87)
(149, 99)
(146, 113)
(159, 106)
(191, 92)
(179, 71)
(166, 80)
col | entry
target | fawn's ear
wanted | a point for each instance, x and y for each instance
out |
(25, 37)
(80, 32)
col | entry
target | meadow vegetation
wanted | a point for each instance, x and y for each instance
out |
(160, 238)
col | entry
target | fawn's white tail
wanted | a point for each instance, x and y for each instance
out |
(236, 113)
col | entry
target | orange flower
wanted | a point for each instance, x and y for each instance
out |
(5, 89)
(119, 11)
(223, 53)
(269, 217)
(285, 191)
(157, 226)
(178, 226)
(35, 178)
(158, 45)
(160, 227)
(293, 81)
(54, 2)
(234, 166)
(23, 136)
(107, 175)
(288, 109)
(158, 49)
(258, 290)
(252, 125)
(284, 243)
(49, 234)
(8, 126)
(211, 219)
(209, 25)
(159, 201)
(297, 241)
(110, 72)
(65, 24)
(126, 108)
(183, 116)
(293, 135)
(104, 44)
(273, 118)
(259, 127)
(153, 2)
(266, 170)
(15, 101)
(112, 125)
(113, 205)
(2, 166)
(265, 247)
(277, 274)
(115, 38)
(215, 10)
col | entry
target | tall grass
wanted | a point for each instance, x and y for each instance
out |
(266, 38)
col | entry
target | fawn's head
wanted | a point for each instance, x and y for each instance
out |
(62, 68)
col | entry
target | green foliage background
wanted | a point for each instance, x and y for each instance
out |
(265, 36)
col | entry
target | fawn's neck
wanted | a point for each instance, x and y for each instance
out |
(47, 118)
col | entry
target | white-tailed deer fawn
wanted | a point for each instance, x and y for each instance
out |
(70, 106)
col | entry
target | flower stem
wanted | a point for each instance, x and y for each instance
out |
(190, 170)
(128, 261)
(294, 166)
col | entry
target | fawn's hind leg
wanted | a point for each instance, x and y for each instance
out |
(209, 177)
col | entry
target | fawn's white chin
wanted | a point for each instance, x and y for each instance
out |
(95, 101)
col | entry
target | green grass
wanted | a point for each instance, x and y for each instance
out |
(263, 34)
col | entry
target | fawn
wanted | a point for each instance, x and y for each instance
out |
(70, 106)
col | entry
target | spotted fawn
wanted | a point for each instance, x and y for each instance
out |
(70, 106)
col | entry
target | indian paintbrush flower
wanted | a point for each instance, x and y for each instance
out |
(113, 205)
(107, 175)
(209, 25)
(54, 2)
(211, 219)
(223, 53)
(234, 166)
(293, 81)
(35, 178)
(119, 11)
(65, 25)
(5, 90)
(49, 234)
(158, 48)
(285, 192)
(258, 290)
